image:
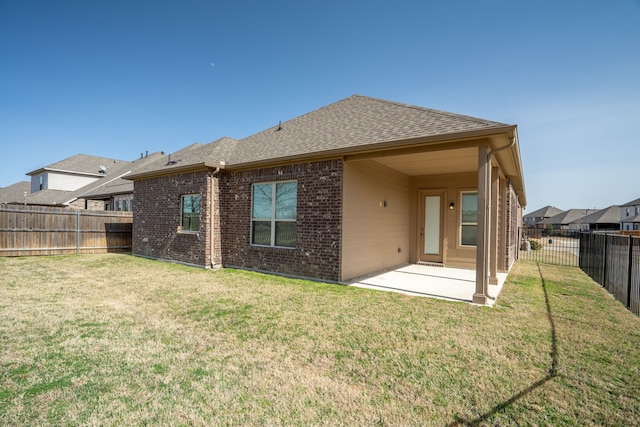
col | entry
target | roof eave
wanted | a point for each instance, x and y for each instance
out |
(380, 147)
(174, 170)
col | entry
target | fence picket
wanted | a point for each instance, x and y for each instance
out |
(44, 230)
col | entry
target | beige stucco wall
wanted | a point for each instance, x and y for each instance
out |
(374, 237)
(454, 255)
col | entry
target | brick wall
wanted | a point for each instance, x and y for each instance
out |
(157, 219)
(512, 224)
(317, 251)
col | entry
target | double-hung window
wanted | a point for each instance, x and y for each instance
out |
(274, 207)
(469, 218)
(191, 212)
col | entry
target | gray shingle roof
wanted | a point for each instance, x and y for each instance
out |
(82, 164)
(193, 155)
(635, 219)
(610, 215)
(546, 212)
(354, 122)
(14, 193)
(120, 185)
(567, 216)
(635, 202)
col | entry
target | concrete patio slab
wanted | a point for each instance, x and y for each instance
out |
(446, 283)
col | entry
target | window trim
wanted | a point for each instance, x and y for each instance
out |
(461, 223)
(273, 220)
(182, 213)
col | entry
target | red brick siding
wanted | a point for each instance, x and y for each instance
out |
(157, 219)
(317, 252)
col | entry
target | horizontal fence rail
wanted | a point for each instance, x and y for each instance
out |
(550, 246)
(614, 262)
(38, 230)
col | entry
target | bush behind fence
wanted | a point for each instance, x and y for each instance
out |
(549, 246)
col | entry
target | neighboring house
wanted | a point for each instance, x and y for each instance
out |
(603, 219)
(80, 182)
(117, 194)
(565, 220)
(630, 215)
(62, 183)
(536, 217)
(15, 192)
(355, 187)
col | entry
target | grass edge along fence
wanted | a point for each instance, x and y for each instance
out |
(44, 230)
(614, 262)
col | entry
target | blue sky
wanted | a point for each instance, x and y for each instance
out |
(117, 78)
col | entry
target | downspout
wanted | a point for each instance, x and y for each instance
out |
(212, 224)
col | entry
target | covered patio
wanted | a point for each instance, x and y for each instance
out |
(453, 284)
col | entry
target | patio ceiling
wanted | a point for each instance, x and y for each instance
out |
(433, 163)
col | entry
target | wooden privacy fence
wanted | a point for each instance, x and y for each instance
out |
(37, 230)
(614, 262)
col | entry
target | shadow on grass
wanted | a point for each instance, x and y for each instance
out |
(552, 373)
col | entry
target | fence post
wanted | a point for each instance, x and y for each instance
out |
(604, 261)
(630, 272)
(77, 231)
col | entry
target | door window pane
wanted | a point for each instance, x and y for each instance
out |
(432, 225)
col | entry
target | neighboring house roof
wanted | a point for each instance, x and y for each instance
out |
(566, 217)
(635, 220)
(15, 193)
(546, 212)
(354, 124)
(82, 164)
(49, 197)
(119, 185)
(610, 215)
(194, 156)
(635, 202)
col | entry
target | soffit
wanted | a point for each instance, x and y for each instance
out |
(433, 163)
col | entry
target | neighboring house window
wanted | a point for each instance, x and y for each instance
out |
(627, 211)
(41, 181)
(637, 210)
(273, 214)
(469, 219)
(107, 206)
(125, 205)
(119, 205)
(191, 212)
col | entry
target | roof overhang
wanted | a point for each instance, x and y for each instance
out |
(67, 172)
(174, 170)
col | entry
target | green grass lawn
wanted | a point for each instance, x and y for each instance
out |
(118, 340)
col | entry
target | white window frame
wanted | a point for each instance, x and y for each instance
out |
(272, 220)
(462, 224)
